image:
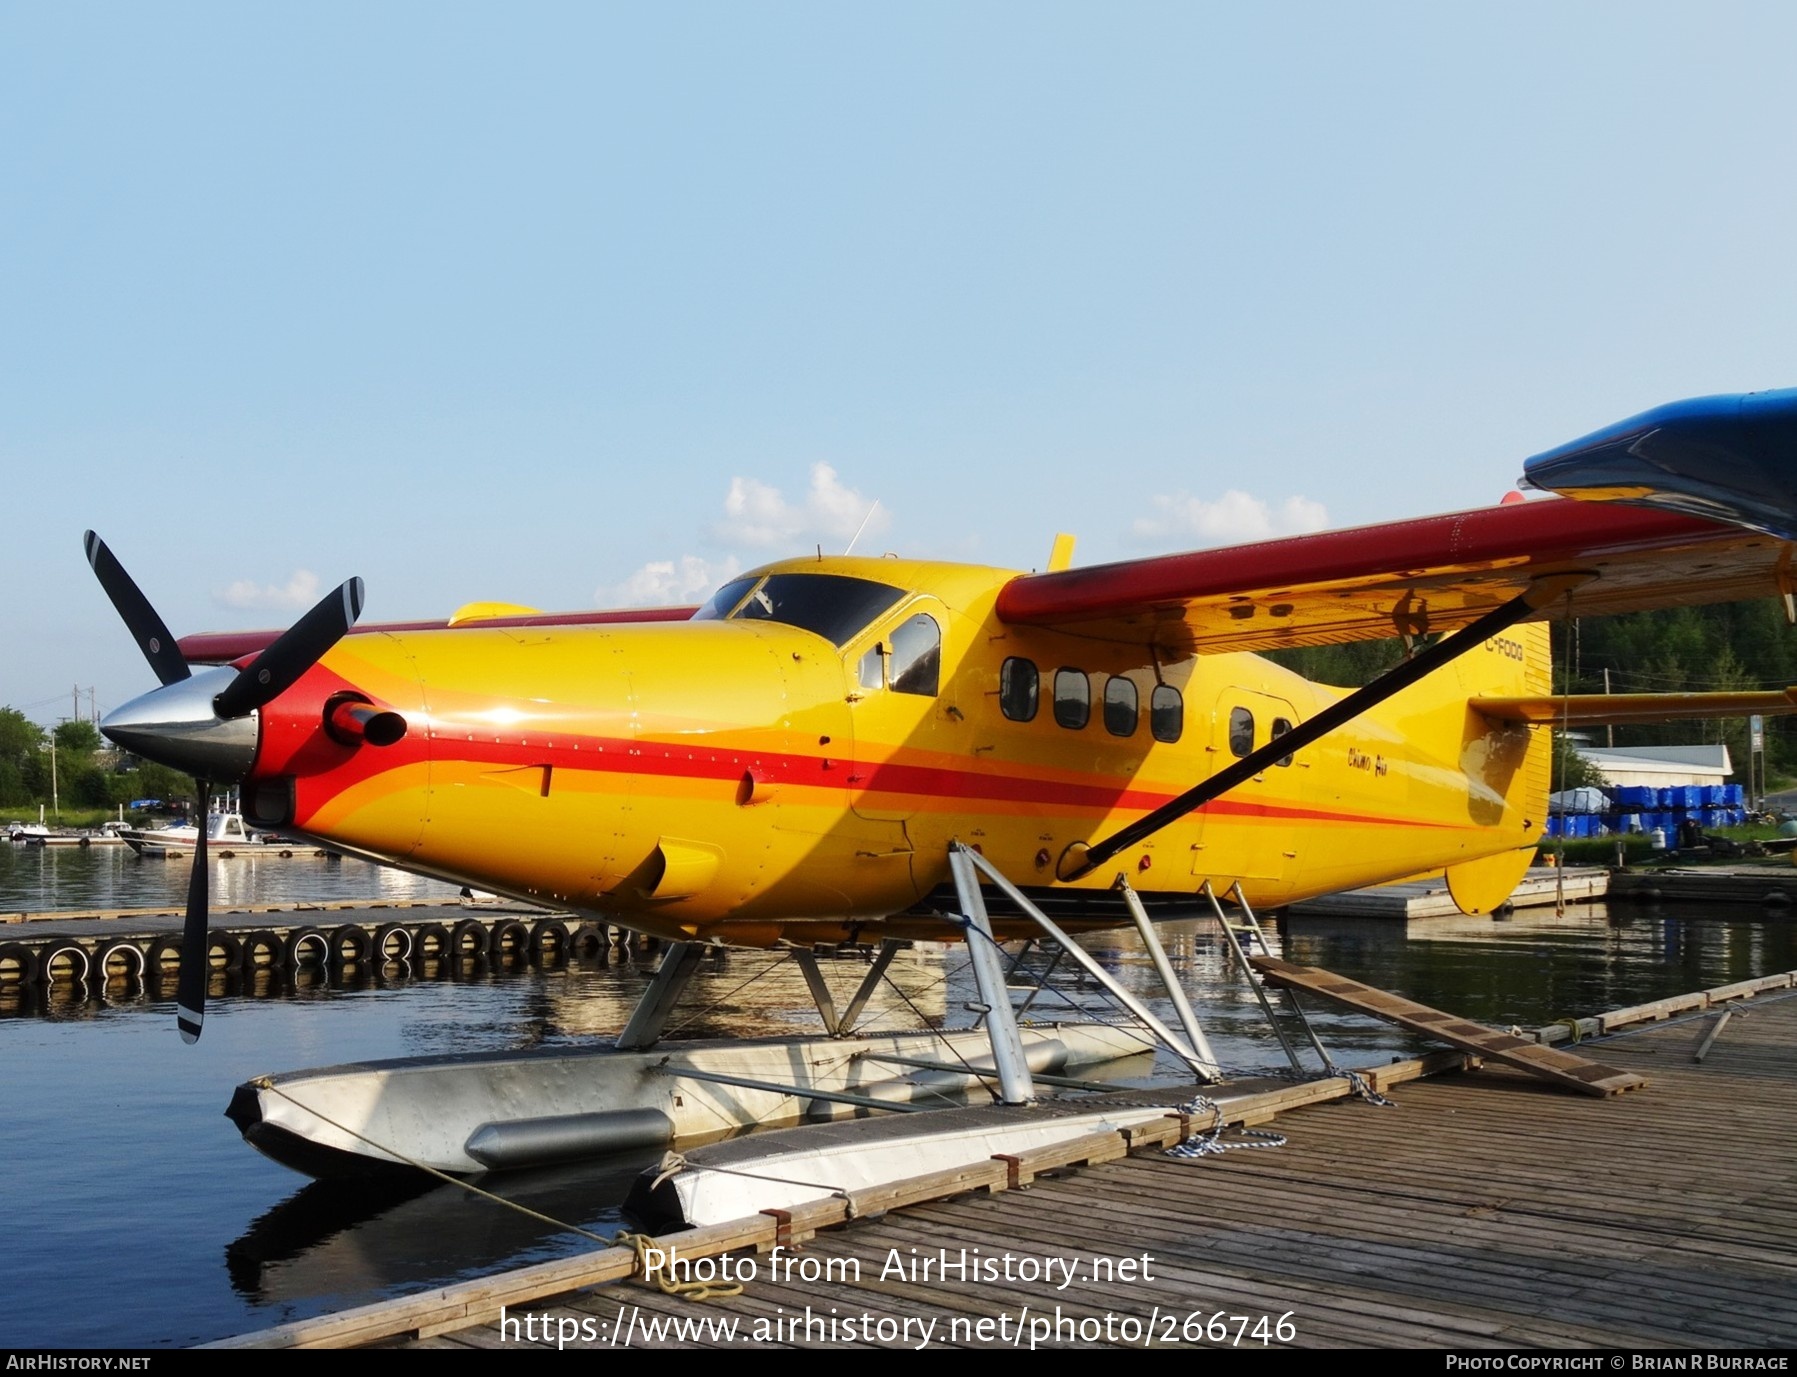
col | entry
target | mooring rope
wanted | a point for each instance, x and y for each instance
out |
(659, 1273)
(1208, 1142)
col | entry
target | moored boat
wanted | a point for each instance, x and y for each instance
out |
(222, 830)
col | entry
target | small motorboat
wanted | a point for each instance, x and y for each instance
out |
(226, 830)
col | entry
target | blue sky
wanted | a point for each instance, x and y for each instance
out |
(568, 305)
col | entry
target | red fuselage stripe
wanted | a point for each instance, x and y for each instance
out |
(603, 755)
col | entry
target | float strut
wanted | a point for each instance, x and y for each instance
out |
(1014, 1083)
(1205, 1069)
(1169, 979)
(651, 1013)
(820, 990)
(889, 948)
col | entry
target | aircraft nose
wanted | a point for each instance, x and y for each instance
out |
(176, 725)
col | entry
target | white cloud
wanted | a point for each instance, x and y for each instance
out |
(758, 515)
(1234, 517)
(299, 592)
(669, 583)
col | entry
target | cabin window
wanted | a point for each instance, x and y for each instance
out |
(916, 656)
(1280, 728)
(830, 605)
(1166, 713)
(1072, 698)
(1120, 707)
(1241, 731)
(1019, 688)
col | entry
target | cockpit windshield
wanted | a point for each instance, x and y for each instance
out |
(832, 605)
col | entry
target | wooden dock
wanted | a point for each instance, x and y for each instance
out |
(1770, 884)
(1414, 899)
(1483, 1210)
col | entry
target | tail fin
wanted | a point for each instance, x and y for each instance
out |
(1508, 765)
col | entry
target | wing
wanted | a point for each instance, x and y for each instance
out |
(1403, 578)
(223, 647)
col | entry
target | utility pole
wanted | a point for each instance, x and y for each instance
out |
(1611, 727)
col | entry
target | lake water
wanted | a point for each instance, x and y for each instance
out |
(138, 1218)
(46, 879)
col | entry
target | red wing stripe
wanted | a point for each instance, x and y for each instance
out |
(1547, 530)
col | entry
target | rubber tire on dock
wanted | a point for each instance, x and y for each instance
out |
(510, 938)
(54, 947)
(587, 940)
(137, 965)
(467, 930)
(354, 937)
(549, 937)
(24, 958)
(388, 935)
(264, 942)
(227, 944)
(431, 939)
(294, 947)
(157, 958)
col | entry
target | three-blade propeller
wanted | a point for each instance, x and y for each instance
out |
(179, 737)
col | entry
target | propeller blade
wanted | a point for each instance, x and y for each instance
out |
(146, 628)
(196, 941)
(300, 647)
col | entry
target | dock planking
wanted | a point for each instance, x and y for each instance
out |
(1485, 1210)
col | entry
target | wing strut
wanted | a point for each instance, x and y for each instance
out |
(1079, 859)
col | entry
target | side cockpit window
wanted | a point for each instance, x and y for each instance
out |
(909, 661)
(916, 656)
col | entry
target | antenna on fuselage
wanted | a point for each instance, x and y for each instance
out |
(862, 527)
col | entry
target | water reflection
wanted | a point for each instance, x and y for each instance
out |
(340, 1243)
(51, 879)
(133, 1188)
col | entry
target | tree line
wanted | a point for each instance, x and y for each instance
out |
(1716, 648)
(86, 774)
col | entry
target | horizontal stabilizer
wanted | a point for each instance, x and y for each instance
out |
(1606, 709)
